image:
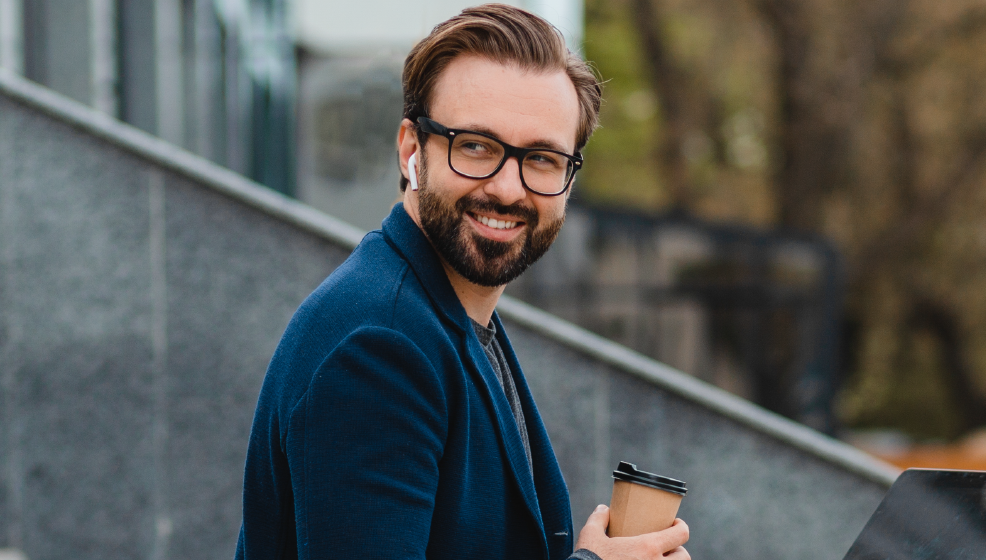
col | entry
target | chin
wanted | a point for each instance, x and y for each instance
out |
(492, 263)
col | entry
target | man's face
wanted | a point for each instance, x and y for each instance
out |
(489, 231)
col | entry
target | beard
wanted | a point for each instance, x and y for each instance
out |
(481, 260)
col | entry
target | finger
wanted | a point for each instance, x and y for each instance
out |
(670, 538)
(679, 530)
(595, 528)
(678, 554)
(599, 520)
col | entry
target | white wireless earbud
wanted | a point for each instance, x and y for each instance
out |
(412, 172)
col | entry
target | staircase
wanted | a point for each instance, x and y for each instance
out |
(143, 290)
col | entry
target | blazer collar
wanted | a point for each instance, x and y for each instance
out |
(408, 240)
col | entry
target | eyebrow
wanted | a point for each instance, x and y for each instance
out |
(545, 144)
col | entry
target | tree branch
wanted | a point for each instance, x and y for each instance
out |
(970, 24)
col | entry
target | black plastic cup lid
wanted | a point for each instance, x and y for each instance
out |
(628, 472)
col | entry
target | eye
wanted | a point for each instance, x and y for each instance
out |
(546, 160)
(475, 147)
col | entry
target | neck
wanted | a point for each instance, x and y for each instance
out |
(478, 301)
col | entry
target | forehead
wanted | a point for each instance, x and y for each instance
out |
(522, 107)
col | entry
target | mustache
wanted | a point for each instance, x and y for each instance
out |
(469, 204)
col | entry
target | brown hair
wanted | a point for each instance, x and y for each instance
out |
(502, 34)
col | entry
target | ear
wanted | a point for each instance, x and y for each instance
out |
(407, 144)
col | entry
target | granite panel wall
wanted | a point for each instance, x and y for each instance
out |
(138, 311)
(750, 496)
(139, 306)
(74, 354)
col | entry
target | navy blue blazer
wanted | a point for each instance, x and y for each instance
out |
(382, 432)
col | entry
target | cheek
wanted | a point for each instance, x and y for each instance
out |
(447, 181)
(551, 209)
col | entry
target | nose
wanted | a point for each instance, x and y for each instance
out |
(506, 186)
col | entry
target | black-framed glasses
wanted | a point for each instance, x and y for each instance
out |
(480, 156)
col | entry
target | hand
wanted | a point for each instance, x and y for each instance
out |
(668, 543)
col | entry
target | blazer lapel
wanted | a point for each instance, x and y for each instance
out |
(509, 434)
(551, 490)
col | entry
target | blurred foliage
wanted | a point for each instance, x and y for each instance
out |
(619, 168)
(727, 154)
(861, 121)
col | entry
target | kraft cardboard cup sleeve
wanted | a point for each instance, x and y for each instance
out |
(642, 502)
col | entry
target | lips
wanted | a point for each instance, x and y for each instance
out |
(481, 210)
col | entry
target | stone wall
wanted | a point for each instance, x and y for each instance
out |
(143, 290)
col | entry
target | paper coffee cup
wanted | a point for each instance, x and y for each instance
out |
(642, 502)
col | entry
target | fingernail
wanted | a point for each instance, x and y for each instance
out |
(599, 508)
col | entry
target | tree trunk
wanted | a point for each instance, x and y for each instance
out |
(812, 142)
(943, 324)
(669, 82)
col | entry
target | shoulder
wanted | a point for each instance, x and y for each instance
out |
(361, 292)
(371, 275)
(373, 302)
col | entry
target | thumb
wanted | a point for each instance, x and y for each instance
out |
(594, 532)
(599, 520)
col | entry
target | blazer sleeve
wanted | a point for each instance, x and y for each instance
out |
(363, 448)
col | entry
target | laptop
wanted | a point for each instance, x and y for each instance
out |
(927, 515)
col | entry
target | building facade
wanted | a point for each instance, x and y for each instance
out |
(216, 77)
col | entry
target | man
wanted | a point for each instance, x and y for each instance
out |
(394, 421)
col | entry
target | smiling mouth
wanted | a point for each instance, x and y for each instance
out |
(495, 224)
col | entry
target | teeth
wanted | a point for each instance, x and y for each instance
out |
(496, 224)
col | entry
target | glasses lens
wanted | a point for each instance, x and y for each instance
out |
(475, 155)
(547, 172)
(544, 172)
